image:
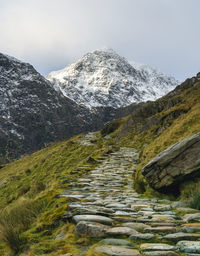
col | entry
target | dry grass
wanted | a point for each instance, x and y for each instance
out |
(15, 220)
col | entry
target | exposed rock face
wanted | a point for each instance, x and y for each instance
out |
(178, 163)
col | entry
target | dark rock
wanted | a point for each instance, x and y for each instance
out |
(91, 160)
(176, 164)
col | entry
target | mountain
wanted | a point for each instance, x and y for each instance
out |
(94, 174)
(103, 78)
(33, 113)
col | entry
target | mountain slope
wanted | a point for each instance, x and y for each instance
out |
(157, 125)
(33, 113)
(37, 180)
(103, 78)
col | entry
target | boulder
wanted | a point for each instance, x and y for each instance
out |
(189, 246)
(90, 229)
(174, 165)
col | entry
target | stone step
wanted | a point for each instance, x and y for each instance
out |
(103, 204)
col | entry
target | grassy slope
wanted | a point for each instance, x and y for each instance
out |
(34, 182)
(32, 189)
(155, 130)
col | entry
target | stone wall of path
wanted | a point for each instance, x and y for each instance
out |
(105, 206)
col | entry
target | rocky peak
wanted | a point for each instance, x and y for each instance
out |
(103, 78)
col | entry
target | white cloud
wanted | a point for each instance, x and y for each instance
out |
(51, 34)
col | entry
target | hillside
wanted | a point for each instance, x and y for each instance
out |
(30, 188)
(158, 125)
(33, 114)
(103, 78)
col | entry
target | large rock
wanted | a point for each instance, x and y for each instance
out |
(176, 164)
(189, 246)
(93, 218)
(90, 229)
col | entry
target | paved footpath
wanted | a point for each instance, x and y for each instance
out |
(105, 206)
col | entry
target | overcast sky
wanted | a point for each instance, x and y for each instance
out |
(51, 34)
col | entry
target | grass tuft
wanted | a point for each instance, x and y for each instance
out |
(195, 201)
(15, 220)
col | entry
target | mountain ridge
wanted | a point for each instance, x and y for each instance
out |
(104, 78)
(33, 114)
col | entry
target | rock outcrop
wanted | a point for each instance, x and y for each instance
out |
(177, 163)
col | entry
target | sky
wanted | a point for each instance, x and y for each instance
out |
(51, 34)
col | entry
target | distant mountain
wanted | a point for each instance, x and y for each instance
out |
(103, 78)
(33, 113)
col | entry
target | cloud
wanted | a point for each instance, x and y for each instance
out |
(51, 34)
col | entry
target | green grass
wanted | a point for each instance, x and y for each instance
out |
(34, 181)
(195, 200)
(151, 131)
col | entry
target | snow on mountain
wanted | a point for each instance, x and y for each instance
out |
(33, 113)
(103, 78)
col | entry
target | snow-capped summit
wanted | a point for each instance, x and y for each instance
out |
(103, 78)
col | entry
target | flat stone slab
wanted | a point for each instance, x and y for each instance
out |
(90, 229)
(181, 236)
(137, 207)
(124, 219)
(137, 226)
(191, 227)
(161, 230)
(120, 231)
(117, 242)
(117, 251)
(116, 205)
(192, 217)
(140, 237)
(186, 210)
(157, 247)
(160, 253)
(93, 218)
(189, 246)
(165, 224)
(162, 208)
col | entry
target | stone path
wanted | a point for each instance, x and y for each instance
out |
(105, 206)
